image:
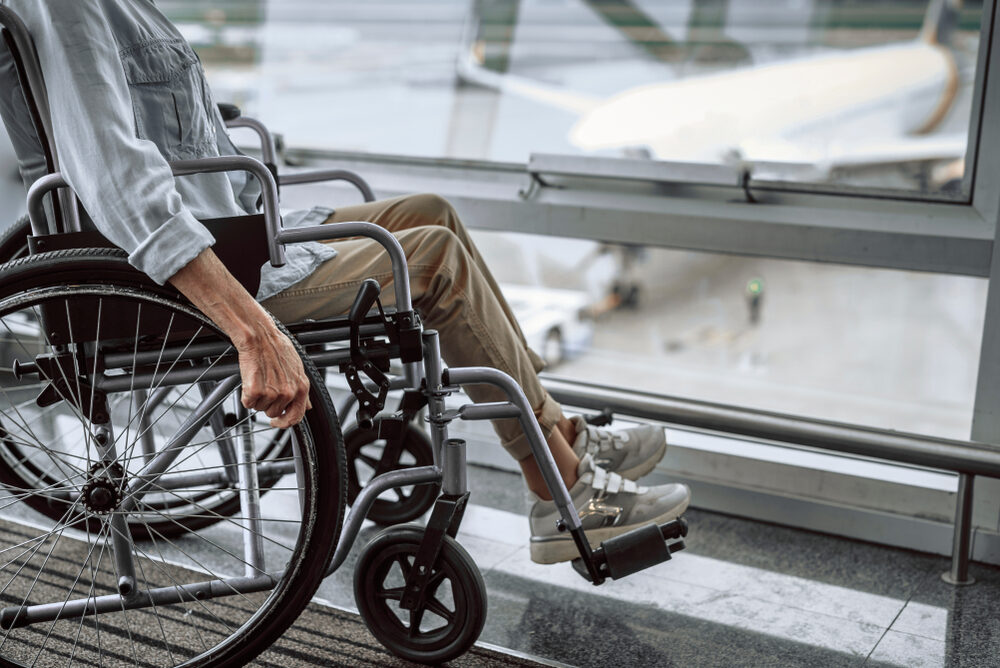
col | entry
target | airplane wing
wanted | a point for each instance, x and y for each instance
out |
(784, 161)
(900, 149)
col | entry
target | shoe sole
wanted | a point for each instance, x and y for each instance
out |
(645, 467)
(558, 549)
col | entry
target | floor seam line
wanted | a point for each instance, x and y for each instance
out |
(885, 633)
(894, 620)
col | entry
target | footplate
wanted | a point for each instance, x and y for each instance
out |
(635, 551)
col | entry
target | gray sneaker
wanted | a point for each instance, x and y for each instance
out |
(608, 505)
(631, 453)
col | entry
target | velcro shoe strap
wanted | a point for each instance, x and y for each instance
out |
(598, 439)
(612, 483)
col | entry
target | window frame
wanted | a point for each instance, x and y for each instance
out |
(787, 221)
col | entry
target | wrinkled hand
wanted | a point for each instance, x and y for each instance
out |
(274, 381)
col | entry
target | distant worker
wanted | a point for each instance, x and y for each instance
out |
(625, 288)
(128, 94)
(754, 296)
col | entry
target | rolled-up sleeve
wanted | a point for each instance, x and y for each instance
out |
(123, 182)
(169, 247)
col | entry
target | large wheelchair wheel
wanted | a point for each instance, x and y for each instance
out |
(452, 614)
(76, 587)
(161, 416)
(14, 240)
(152, 418)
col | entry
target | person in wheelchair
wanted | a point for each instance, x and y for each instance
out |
(128, 94)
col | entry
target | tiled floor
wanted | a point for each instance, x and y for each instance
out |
(742, 594)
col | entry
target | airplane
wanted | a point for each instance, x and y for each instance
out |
(873, 106)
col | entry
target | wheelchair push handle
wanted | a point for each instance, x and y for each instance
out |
(229, 112)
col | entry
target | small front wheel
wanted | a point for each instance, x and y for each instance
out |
(365, 452)
(453, 611)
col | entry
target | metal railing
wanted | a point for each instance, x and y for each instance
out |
(966, 458)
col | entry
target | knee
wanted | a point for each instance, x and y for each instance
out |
(432, 210)
(432, 246)
(436, 256)
(442, 247)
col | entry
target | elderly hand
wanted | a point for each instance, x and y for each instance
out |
(274, 381)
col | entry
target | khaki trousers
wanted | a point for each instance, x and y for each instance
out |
(452, 289)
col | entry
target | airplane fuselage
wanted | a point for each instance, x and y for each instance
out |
(802, 110)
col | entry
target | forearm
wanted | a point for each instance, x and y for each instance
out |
(274, 381)
(213, 290)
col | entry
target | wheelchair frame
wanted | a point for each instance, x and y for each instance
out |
(424, 372)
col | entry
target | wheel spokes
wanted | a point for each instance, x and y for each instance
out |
(48, 456)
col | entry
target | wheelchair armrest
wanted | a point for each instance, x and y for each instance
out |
(315, 176)
(240, 244)
(400, 274)
(269, 189)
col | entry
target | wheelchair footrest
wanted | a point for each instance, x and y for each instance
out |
(636, 550)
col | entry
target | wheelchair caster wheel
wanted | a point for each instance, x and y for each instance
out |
(452, 614)
(365, 451)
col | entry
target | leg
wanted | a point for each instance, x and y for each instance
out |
(412, 211)
(566, 460)
(454, 297)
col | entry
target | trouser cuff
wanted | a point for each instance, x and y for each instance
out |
(514, 440)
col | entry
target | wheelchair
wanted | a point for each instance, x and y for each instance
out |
(388, 442)
(134, 527)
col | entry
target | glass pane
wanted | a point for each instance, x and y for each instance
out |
(860, 92)
(889, 349)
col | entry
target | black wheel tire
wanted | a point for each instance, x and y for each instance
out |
(382, 559)
(14, 240)
(408, 506)
(323, 472)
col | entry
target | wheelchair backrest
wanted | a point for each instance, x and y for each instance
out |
(241, 242)
(25, 98)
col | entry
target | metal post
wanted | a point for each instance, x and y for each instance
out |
(145, 428)
(961, 547)
(253, 542)
(433, 369)
(454, 482)
(983, 141)
(217, 421)
(121, 536)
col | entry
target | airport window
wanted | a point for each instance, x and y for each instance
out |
(877, 95)
(497, 81)
(886, 349)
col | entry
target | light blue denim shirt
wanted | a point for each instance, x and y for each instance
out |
(127, 94)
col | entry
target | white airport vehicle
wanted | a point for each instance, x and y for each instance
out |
(554, 321)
